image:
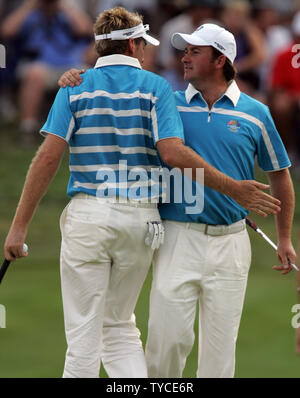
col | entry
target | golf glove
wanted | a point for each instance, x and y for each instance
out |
(155, 234)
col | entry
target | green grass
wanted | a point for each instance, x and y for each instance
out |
(33, 343)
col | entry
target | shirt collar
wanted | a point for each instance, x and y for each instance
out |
(232, 92)
(117, 59)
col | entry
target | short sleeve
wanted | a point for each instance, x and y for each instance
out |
(271, 153)
(166, 121)
(60, 121)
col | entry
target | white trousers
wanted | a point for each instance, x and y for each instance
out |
(104, 262)
(190, 267)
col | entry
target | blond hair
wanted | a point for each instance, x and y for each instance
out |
(116, 18)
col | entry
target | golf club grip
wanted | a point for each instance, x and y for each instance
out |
(3, 268)
(251, 223)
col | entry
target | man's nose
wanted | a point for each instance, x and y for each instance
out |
(185, 58)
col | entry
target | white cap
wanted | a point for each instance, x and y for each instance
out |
(125, 34)
(208, 34)
(296, 24)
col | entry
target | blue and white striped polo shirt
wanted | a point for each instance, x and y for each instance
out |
(112, 122)
(229, 136)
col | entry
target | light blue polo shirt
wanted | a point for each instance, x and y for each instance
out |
(112, 122)
(230, 136)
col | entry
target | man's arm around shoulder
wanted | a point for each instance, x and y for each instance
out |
(247, 193)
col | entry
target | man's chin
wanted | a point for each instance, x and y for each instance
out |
(188, 78)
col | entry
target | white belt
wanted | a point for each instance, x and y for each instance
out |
(116, 201)
(216, 230)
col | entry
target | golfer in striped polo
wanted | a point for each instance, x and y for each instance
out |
(116, 123)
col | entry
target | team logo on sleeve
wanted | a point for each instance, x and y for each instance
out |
(233, 125)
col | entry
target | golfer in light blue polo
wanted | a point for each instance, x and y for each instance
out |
(206, 256)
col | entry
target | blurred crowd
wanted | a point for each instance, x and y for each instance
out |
(43, 38)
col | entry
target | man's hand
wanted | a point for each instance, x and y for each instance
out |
(71, 78)
(13, 247)
(250, 195)
(285, 253)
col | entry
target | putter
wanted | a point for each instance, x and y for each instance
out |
(6, 263)
(263, 235)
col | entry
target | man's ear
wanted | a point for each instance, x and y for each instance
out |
(220, 61)
(131, 46)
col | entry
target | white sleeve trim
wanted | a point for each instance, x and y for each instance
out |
(45, 132)
(271, 171)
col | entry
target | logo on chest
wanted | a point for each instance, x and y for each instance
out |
(233, 125)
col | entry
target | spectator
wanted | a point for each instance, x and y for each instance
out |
(150, 59)
(8, 6)
(95, 7)
(197, 12)
(91, 7)
(174, 74)
(277, 36)
(51, 35)
(285, 8)
(165, 10)
(250, 43)
(8, 110)
(133, 5)
(284, 94)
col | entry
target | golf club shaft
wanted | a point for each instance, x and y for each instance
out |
(263, 235)
(266, 238)
(3, 269)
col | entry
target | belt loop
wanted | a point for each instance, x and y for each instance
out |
(205, 229)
